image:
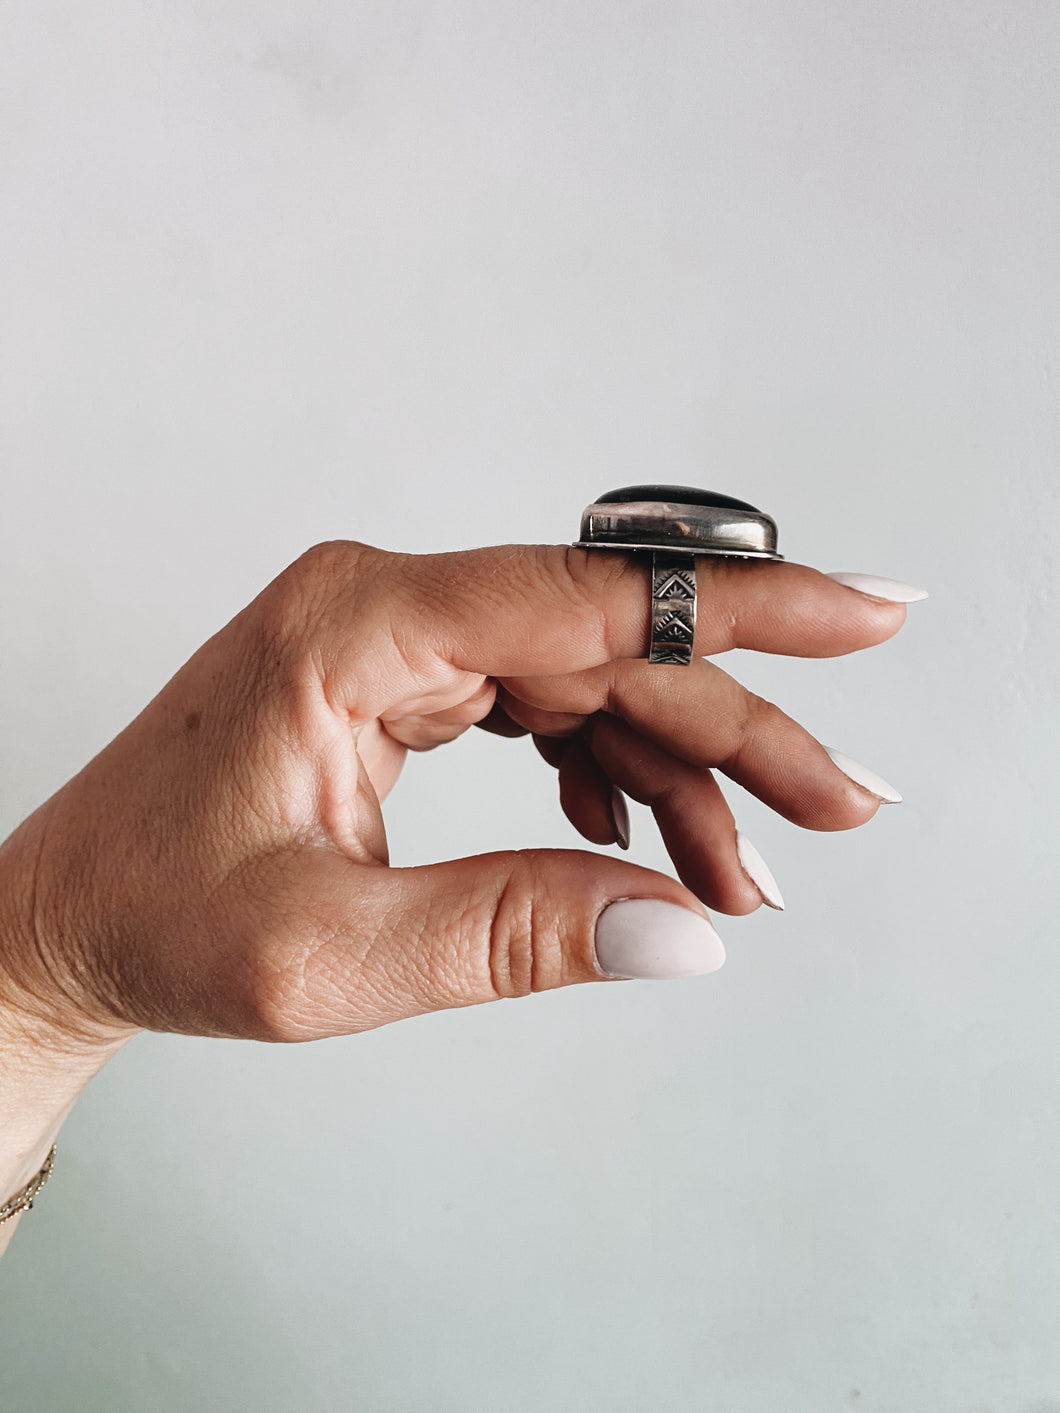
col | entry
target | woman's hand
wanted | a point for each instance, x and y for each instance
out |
(221, 868)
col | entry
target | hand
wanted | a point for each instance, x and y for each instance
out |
(221, 868)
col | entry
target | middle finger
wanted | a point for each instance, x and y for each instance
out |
(706, 718)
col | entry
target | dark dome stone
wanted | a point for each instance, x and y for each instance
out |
(680, 495)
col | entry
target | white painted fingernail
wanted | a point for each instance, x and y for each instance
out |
(655, 941)
(893, 590)
(757, 870)
(620, 817)
(866, 778)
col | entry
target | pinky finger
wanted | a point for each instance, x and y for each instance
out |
(588, 798)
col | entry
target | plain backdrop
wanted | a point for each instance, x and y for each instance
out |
(433, 275)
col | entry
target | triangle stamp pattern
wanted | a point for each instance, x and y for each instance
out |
(677, 586)
(673, 608)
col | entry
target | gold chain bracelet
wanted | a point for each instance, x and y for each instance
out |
(23, 1199)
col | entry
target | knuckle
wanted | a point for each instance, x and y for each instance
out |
(526, 950)
(262, 988)
(757, 717)
(511, 938)
(265, 990)
(299, 597)
(271, 1003)
(287, 620)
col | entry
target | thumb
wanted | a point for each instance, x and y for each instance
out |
(498, 926)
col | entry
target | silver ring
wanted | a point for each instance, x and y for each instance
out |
(673, 607)
(675, 524)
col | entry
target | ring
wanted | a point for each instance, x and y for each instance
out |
(673, 607)
(675, 524)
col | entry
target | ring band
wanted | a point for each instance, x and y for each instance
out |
(673, 607)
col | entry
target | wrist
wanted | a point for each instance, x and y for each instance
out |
(48, 991)
(50, 1045)
(41, 1077)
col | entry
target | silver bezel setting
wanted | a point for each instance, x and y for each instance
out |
(685, 529)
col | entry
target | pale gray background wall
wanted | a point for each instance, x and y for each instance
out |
(432, 275)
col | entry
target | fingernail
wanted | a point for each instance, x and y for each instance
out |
(757, 870)
(620, 817)
(893, 590)
(655, 941)
(866, 778)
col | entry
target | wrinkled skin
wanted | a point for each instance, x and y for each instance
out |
(221, 868)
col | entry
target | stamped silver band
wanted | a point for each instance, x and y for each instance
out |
(673, 607)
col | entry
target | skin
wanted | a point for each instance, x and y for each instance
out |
(221, 868)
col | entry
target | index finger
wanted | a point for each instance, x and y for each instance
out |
(521, 610)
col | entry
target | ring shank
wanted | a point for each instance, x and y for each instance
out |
(673, 607)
